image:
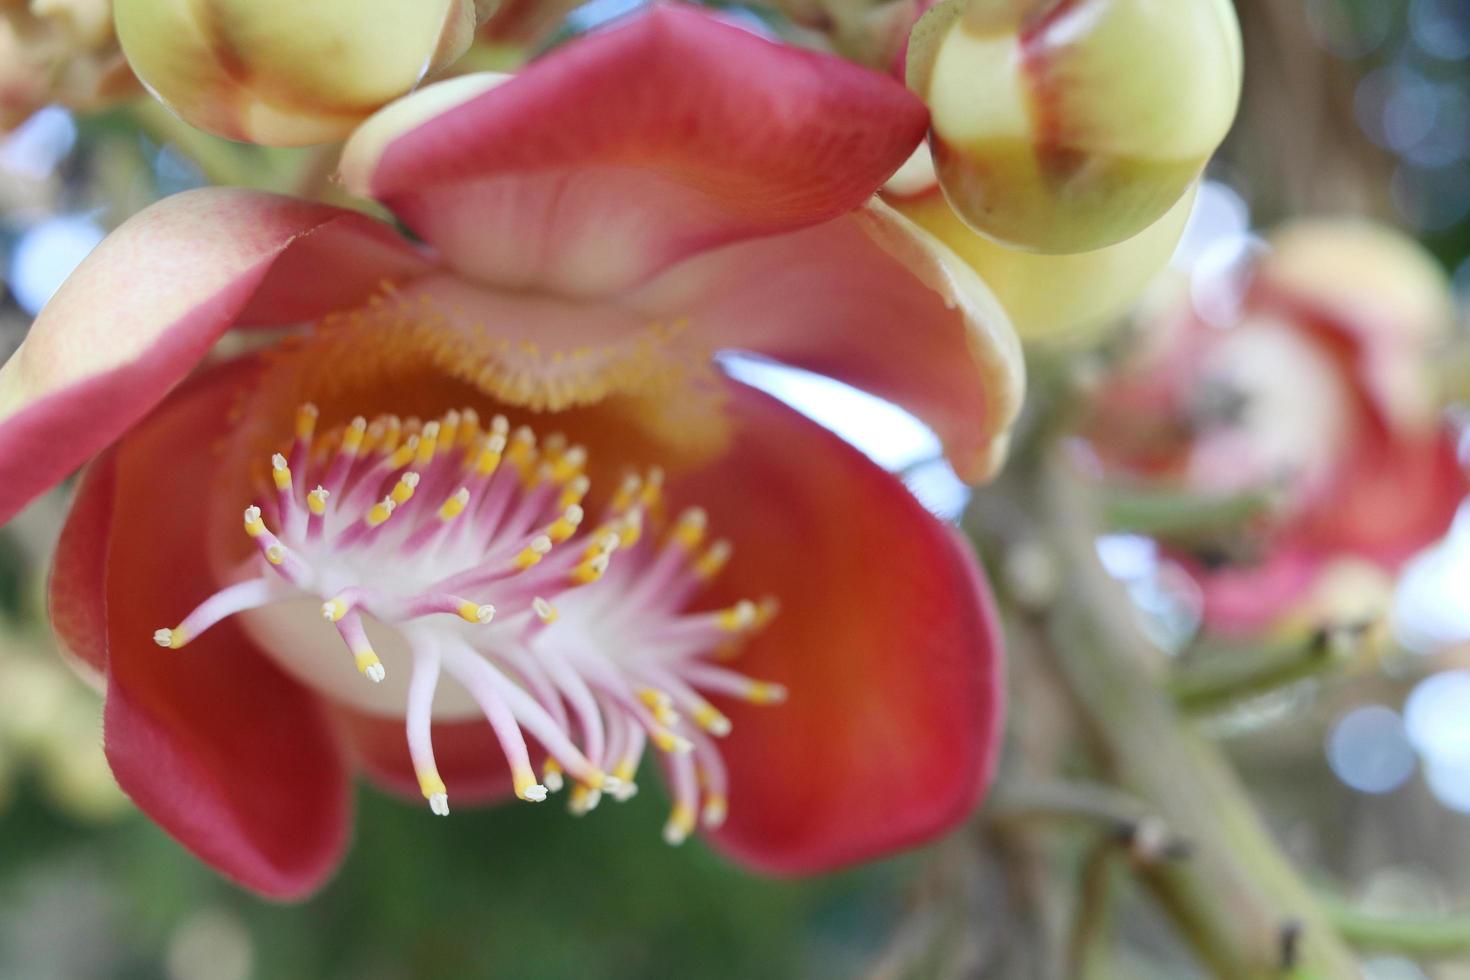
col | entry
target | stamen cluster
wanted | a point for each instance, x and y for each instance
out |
(468, 540)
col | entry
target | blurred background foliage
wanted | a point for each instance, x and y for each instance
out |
(1351, 106)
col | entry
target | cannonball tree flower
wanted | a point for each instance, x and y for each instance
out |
(496, 476)
(1316, 392)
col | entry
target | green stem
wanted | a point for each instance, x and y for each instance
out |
(1237, 896)
(1176, 514)
(1210, 677)
(1092, 953)
(1421, 937)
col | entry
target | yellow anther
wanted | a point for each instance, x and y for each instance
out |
(605, 540)
(668, 741)
(627, 493)
(738, 617)
(382, 510)
(473, 612)
(716, 808)
(521, 452)
(316, 501)
(544, 610)
(680, 825)
(630, 528)
(170, 639)
(280, 472)
(306, 417)
(590, 569)
(455, 504)
(449, 431)
(377, 429)
(574, 492)
(551, 775)
(430, 784)
(404, 488)
(334, 609)
(490, 454)
(625, 771)
(569, 464)
(526, 786)
(583, 799)
(352, 436)
(689, 532)
(392, 432)
(533, 552)
(653, 488)
(566, 525)
(660, 704)
(404, 454)
(708, 717)
(428, 443)
(275, 554)
(713, 561)
(366, 660)
(254, 526)
(763, 692)
(469, 428)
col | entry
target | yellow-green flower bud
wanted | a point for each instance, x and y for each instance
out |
(288, 72)
(1069, 125)
(1068, 299)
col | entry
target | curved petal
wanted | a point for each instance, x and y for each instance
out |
(468, 757)
(151, 300)
(887, 640)
(1392, 498)
(1244, 600)
(630, 148)
(232, 758)
(872, 300)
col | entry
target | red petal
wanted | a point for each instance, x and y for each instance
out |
(873, 301)
(231, 757)
(887, 639)
(631, 148)
(151, 300)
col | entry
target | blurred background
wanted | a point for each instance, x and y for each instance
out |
(1351, 106)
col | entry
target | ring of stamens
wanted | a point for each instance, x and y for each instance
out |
(473, 543)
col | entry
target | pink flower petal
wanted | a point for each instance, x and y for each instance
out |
(147, 305)
(227, 754)
(887, 640)
(873, 301)
(631, 148)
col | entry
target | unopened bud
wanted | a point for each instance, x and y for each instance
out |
(1067, 127)
(284, 72)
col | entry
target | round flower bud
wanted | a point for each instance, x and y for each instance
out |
(1069, 125)
(1069, 299)
(283, 72)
